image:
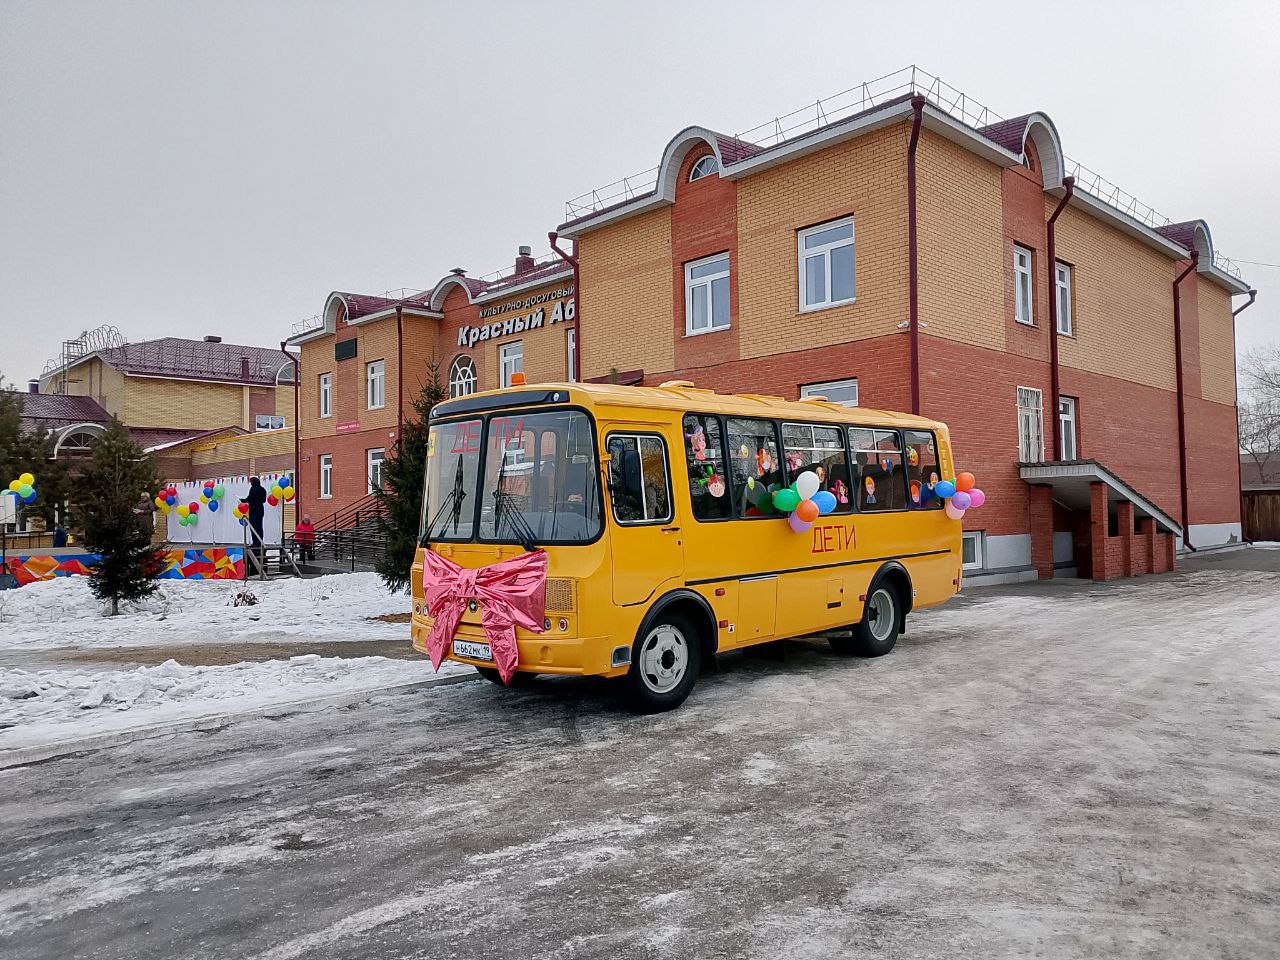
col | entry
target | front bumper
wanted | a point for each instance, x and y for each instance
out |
(538, 653)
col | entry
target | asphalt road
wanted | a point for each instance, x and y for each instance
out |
(1040, 771)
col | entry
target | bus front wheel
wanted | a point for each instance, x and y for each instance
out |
(877, 632)
(665, 661)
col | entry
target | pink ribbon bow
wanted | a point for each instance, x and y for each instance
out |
(511, 593)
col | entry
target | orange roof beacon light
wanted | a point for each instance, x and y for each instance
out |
(518, 380)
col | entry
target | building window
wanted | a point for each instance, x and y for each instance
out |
(1067, 427)
(1022, 311)
(638, 483)
(375, 458)
(705, 167)
(462, 377)
(326, 394)
(706, 295)
(826, 265)
(1063, 284)
(326, 476)
(571, 353)
(511, 357)
(377, 377)
(843, 392)
(973, 550)
(1030, 426)
(264, 421)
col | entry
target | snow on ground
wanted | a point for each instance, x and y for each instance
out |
(64, 613)
(44, 706)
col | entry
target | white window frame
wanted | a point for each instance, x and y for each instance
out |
(1062, 278)
(693, 287)
(830, 386)
(1024, 296)
(1031, 416)
(272, 422)
(824, 250)
(570, 353)
(326, 395)
(979, 540)
(511, 360)
(326, 476)
(701, 169)
(462, 377)
(376, 381)
(1067, 418)
(370, 460)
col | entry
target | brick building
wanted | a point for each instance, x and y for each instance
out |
(913, 256)
(365, 358)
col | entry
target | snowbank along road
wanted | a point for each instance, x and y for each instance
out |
(1050, 771)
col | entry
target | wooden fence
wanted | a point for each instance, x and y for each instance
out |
(1262, 514)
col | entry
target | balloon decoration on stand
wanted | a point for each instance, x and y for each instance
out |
(23, 488)
(241, 510)
(803, 501)
(960, 494)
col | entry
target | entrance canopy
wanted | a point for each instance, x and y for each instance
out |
(1072, 480)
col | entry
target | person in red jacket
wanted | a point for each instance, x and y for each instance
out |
(304, 535)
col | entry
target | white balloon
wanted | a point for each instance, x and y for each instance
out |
(807, 485)
(954, 512)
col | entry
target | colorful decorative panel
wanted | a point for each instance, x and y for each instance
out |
(207, 563)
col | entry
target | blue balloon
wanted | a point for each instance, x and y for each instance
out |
(825, 500)
(945, 489)
(171, 500)
(31, 498)
(212, 506)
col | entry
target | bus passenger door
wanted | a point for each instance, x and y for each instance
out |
(646, 542)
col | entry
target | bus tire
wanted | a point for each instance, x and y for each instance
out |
(877, 632)
(518, 679)
(665, 660)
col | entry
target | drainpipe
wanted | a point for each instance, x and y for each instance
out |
(913, 315)
(572, 260)
(1235, 388)
(399, 372)
(297, 426)
(1182, 413)
(1069, 186)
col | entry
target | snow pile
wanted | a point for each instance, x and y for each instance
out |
(64, 613)
(46, 705)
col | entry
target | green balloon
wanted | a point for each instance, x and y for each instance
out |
(786, 500)
(218, 491)
(25, 490)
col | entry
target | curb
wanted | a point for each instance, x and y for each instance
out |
(22, 756)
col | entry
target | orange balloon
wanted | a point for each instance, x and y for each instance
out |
(807, 511)
(965, 481)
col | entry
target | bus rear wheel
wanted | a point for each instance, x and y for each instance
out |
(877, 632)
(665, 661)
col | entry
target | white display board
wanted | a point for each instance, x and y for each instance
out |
(223, 526)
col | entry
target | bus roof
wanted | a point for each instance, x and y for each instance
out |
(681, 395)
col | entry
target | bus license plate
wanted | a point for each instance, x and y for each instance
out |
(472, 651)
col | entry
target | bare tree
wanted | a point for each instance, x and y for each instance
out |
(1259, 410)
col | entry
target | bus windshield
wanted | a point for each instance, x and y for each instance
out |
(526, 478)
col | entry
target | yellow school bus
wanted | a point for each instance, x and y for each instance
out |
(655, 506)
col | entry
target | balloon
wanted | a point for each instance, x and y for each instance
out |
(159, 503)
(807, 485)
(26, 489)
(786, 500)
(976, 498)
(171, 499)
(826, 501)
(798, 525)
(961, 500)
(195, 507)
(213, 506)
(30, 498)
(965, 481)
(26, 480)
(954, 512)
(219, 491)
(183, 510)
(244, 522)
(289, 493)
(204, 499)
(276, 489)
(273, 500)
(945, 489)
(807, 511)
(14, 485)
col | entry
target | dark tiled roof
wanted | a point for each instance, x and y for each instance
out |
(732, 149)
(362, 304)
(53, 411)
(151, 437)
(183, 359)
(1183, 234)
(544, 271)
(1008, 133)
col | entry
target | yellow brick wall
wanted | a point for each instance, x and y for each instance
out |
(248, 446)
(317, 358)
(1122, 302)
(545, 354)
(92, 379)
(961, 244)
(420, 336)
(377, 342)
(864, 177)
(1217, 343)
(626, 295)
(284, 403)
(153, 402)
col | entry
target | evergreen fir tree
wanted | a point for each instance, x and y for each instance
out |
(108, 508)
(13, 459)
(402, 485)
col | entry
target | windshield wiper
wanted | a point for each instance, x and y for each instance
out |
(501, 511)
(454, 497)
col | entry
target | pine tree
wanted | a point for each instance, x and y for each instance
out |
(13, 454)
(402, 485)
(108, 508)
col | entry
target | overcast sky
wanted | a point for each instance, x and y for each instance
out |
(196, 168)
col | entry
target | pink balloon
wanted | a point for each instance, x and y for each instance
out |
(798, 525)
(976, 498)
(954, 512)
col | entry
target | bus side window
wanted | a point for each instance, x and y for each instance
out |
(923, 471)
(755, 466)
(704, 452)
(878, 486)
(638, 479)
(821, 450)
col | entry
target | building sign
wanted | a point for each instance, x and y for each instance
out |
(564, 310)
(347, 426)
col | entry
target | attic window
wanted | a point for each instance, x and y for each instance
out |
(705, 167)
